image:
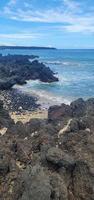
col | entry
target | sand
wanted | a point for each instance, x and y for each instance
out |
(26, 116)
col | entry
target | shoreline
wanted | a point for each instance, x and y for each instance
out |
(43, 98)
(22, 107)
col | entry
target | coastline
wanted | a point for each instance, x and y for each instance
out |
(22, 107)
(43, 98)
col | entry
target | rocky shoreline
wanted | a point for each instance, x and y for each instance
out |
(15, 101)
(43, 158)
(48, 159)
(17, 69)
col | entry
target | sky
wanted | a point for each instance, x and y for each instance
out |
(52, 23)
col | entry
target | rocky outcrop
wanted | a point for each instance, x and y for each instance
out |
(76, 109)
(50, 160)
(5, 120)
(58, 112)
(17, 69)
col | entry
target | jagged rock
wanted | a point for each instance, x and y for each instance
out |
(16, 69)
(90, 107)
(59, 112)
(78, 107)
(37, 164)
(36, 184)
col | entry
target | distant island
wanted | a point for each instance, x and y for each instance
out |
(25, 47)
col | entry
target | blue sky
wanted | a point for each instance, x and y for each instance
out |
(58, 23)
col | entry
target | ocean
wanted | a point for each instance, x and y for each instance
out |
(74, 68)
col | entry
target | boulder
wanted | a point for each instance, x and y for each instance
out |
(57, 158)
(54, 155)
(78, 108)
(59, 112)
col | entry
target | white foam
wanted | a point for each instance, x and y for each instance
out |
(57, 62)
(62, 63)
(45, 98)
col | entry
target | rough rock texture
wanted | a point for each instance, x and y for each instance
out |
(38, 161)
(17, 69)
(5, 120)
(36, 184)
(77, 108)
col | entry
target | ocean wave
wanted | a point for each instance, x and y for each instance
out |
(57, 62)
(63, 63)
(45, 98)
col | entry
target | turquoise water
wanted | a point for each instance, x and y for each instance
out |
(75, 69)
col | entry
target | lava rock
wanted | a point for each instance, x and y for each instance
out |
(78, 107)
(36, 184)
(4, 164)
(59, 112)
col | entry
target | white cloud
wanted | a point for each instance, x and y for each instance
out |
(69, 12)
(79, 28)
(19, 36)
